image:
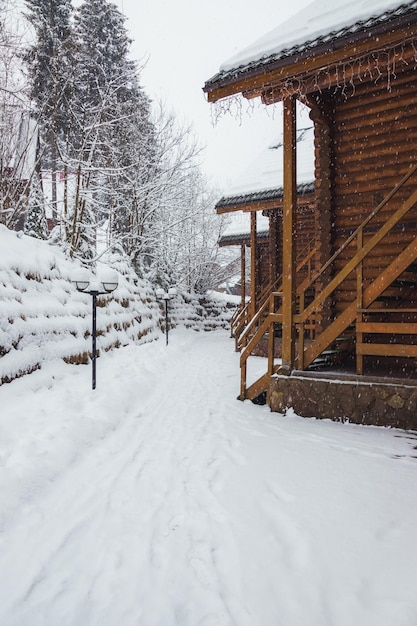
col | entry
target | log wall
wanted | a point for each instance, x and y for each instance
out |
(374, 134)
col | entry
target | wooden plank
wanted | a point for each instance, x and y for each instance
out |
(258, 387)
(351, 265)
(314, 79)
(388, 310)
(386, 349)
(242, 275)
(263, 328)
(387, 328)
(288, 229)
(253, 263)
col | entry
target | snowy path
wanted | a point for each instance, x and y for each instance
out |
(160, 500)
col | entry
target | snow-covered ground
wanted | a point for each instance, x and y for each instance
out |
(158, 500)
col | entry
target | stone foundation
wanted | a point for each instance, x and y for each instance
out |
(342, 397)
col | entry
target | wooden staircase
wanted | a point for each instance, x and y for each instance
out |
(381, 320)
(244, 326)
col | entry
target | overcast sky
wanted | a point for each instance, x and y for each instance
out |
(184, 42)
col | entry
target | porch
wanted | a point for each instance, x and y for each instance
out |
(359, 361)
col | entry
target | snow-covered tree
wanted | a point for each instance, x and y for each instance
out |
(127, 166)
(50, 62)
(18, 136)
(180, 230)
(111, 129)
(35, 222)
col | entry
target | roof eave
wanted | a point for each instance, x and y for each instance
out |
(260, 75)
(242, 239)
(263, 201)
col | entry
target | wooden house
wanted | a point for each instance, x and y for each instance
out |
(254, 202)
(354, 65)
(238, 235)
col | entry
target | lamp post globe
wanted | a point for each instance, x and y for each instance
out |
(85, 282)
(166, 296)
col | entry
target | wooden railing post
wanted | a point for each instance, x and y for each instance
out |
(243, 372)
(253, 264)
(300, 363)
(359, 303)
(242, 275)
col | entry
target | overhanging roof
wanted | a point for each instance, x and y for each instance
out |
(248, 199)
(288, 44)
(242, 238)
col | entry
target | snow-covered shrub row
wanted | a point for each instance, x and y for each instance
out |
(44, 317)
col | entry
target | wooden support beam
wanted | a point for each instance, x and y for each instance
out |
(253, 262)
(243, 274)
(273, 245)
(289, 225)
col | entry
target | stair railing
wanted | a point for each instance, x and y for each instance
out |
(354, 264)
(306, 260)
(267, 316)
(239, 320)
(363, 298)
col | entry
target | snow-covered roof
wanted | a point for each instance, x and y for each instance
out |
(321, 22)
(238, 228)
(263, 178)
(266, 172)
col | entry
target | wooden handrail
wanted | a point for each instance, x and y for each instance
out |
(264, 299)
(372, 291)
(360, 255)
(366, 221)
(266, 316)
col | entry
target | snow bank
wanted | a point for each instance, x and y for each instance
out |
(43, 317)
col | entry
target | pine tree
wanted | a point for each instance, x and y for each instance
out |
(50, 62)
(104, 47)
(35, 222)
(116, 112)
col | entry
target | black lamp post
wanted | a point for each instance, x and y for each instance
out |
(86, 283)
(166, 296)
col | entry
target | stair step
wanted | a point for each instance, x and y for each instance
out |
(319, 362)
(332, 351)
(388, 298)
(260, 400)
(405, 283)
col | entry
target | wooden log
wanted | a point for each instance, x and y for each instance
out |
(387, 328)
(289, 222)
(386, 349)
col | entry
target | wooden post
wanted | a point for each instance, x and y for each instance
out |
(253, 263)
(242, 274)
(359, 304)
(273, 271)
(289, 234)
